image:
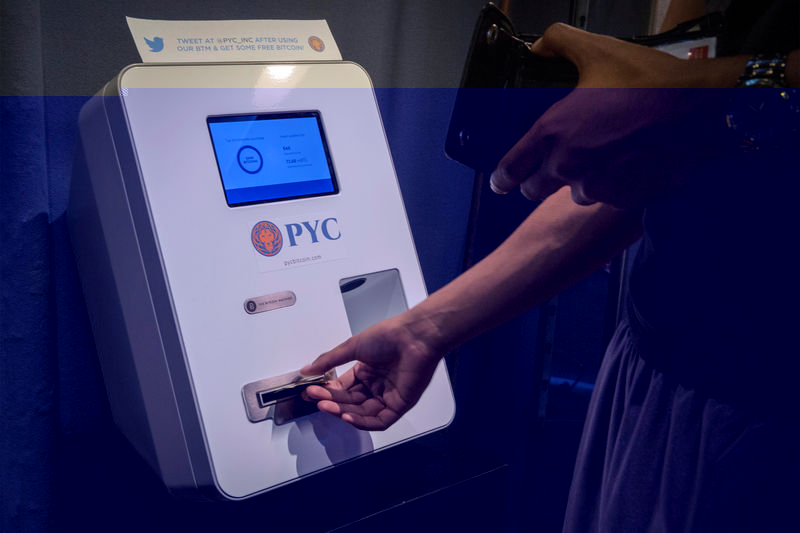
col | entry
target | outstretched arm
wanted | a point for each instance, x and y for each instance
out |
(558, 244)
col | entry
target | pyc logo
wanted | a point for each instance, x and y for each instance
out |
(316, 43)
(156, 45)
(267, 238)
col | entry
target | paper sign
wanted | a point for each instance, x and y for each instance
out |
(204, 41)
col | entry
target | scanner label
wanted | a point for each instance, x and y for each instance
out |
(269, 302)
(286, 243)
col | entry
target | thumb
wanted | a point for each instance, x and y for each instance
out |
(562, 40)
(340, 355)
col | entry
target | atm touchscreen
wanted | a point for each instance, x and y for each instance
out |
(271, 157)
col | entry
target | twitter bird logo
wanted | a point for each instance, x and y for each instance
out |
(156, 45)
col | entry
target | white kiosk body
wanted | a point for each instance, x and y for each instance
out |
(230, 223)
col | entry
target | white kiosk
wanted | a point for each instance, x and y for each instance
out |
(230, 223)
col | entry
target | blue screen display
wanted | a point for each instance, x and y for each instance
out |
(271, 157)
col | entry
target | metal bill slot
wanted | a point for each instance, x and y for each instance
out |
(279, 397)
(271, 396)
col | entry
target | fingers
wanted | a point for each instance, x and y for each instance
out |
(521, 161)
(380, 422)
(369, 407)
(372, 415)
(344, 382)
(538, 187)
(579, 196)
(316, 393)
(522, 166)
(344, 389)
(348, 399)
(500, 182)
(338, 356)
(541, 185)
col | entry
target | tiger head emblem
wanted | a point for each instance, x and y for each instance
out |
(267, 238)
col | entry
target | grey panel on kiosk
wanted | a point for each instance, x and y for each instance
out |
(218, 212)
(128, 302)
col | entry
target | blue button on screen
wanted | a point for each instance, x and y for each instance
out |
(250, 159)
(272, 157)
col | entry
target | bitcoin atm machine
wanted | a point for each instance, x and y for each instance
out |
(230, 223)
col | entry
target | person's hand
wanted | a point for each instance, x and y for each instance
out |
(623, 136)
(394, 367)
